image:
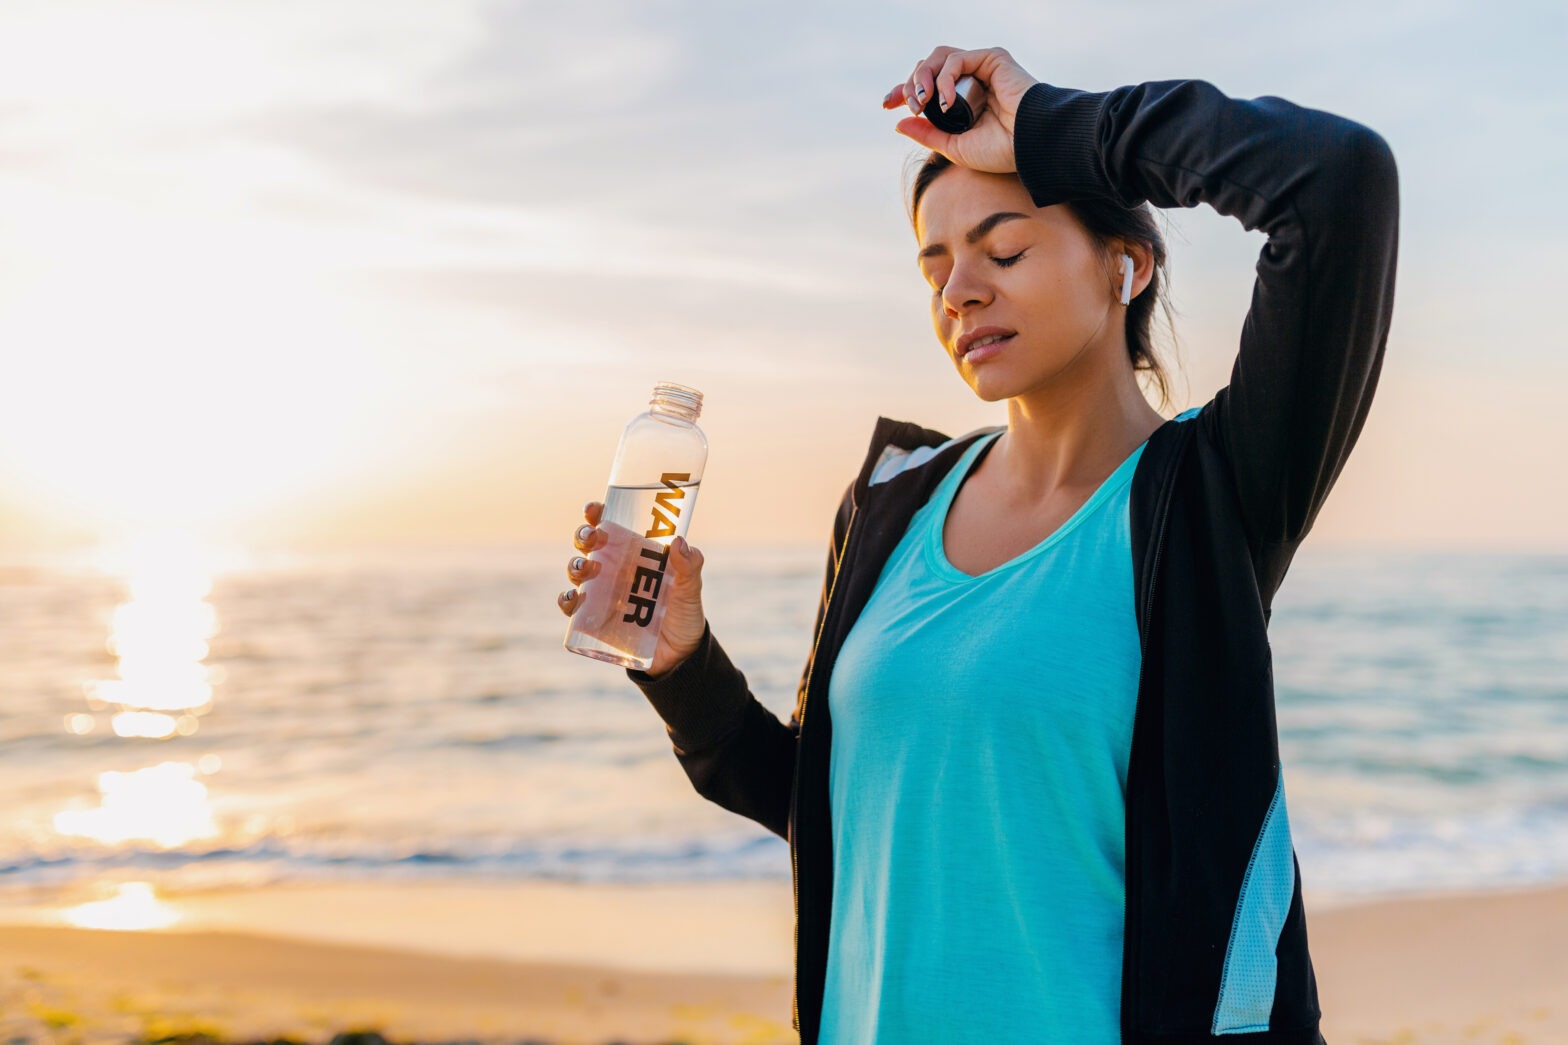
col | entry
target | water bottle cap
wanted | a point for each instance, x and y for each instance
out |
(678, 397)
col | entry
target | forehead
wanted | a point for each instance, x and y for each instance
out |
(959, 197)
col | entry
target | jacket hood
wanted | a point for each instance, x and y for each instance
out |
(897, 446)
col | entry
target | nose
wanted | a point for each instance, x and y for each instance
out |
(963, 290)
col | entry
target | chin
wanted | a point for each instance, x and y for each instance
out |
(987, 396)
(990, 389)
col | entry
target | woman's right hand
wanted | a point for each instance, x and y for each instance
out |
(680, 632)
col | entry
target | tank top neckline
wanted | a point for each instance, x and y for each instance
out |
(947, 492)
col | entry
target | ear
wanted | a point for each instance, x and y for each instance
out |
(1142, 266)
(1117, 273)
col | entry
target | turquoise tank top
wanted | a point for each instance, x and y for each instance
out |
(981, 733)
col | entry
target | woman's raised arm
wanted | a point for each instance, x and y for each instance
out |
(1326, 192)
(1323, 188)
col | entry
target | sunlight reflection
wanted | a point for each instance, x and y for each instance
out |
(134, 907)
(160, 638)
(153, 725)
(165, 804)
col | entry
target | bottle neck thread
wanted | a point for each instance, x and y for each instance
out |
(678, 401)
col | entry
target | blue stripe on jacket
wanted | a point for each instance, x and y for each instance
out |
(1247, 985)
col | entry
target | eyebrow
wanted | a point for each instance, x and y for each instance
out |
(973, 235)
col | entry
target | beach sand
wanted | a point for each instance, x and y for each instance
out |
(706, 963)
(1486, 967)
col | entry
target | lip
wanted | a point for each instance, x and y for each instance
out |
(970, 337)
(976, 356)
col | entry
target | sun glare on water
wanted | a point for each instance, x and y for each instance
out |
(164, 804)
(134, 907)
(159, 636)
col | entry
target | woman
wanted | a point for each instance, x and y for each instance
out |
(1039, 797)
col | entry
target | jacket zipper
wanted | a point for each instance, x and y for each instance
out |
(1143, 653)
(794, 865)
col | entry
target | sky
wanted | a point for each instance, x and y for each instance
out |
(385, 271)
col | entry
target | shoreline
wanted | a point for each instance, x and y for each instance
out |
(677, 926)
(706, 962)
(695, 928)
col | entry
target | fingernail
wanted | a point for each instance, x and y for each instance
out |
(920, 91)
(584, 532)
(587, 505)
(944, 104)
(579, 562)
(680, 546)
(569, 594)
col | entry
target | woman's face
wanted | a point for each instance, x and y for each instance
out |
(997, 264)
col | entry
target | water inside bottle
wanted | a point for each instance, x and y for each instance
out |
(622, 605)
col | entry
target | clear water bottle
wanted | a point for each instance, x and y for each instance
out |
(653, 488)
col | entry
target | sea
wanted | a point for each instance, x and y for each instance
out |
(244, 719)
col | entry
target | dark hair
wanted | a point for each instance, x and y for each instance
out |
(1104, 219)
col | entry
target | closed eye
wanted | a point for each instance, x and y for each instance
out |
(1003, 262)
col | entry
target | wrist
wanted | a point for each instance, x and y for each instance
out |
(663, 668)
(1056, 144)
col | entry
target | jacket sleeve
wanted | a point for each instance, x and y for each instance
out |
(736, 752)
(1325, 191)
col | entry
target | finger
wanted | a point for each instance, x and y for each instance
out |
(947, 78)
(593, 511)
(693, 557)
(957, 64)
(686, 564)
(925, 133)
(922, 82)
(584, 536)
(579, 569)
(894, 98)
(568, 601)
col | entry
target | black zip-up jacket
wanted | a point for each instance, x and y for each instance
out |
(1215, 941)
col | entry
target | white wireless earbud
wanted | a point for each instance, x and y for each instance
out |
(1127, 267)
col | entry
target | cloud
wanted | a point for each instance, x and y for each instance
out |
(481, 193)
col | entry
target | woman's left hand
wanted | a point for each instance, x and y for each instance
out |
(988, 145)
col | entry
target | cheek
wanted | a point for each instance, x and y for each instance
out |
(1068, 295)
(940, 320)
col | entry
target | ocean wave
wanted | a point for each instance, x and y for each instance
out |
(416, 717)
